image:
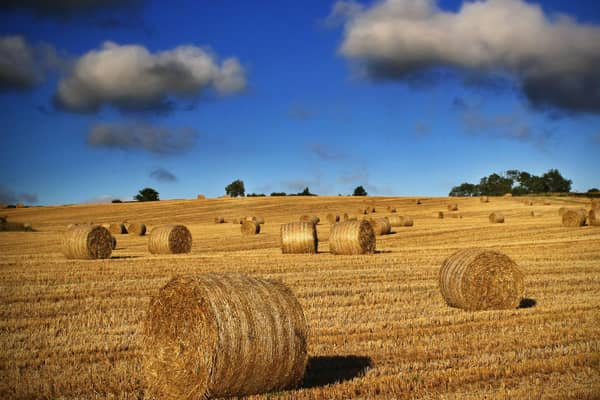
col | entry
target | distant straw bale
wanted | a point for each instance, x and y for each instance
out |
(20, 205)
(299, 237)
(87, 242)
(352, 237)
(201, 197)
(453, 215)
(310, 218)
(3, 219)
(333, 218)
(136, 228)
(170, 239)
(496, 217)
(574, 218)
(594, 217)
(547, 202)
(481, 279)
(346, 217)
(400, 220)
(392, 209)
(218, 335)
(363, 211)
(219, 220)
(250, 228)
(595, 204)
(484, 199)
(562, 210)
(419, 201)
(452, 207)
(535, 214)
(117, 228)
(508, 195)
(381, 226)
(440, 214)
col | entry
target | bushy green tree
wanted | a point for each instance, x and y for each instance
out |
(147, 194)
(235, 188)
(465, 189)
(359, 191)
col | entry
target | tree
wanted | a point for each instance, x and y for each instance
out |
(359, 191)
(593, 190)
(495, 185)
(235, 188)
(465, 189)
(306, 192)
(555, 183)
(278, 194)
(147, 194)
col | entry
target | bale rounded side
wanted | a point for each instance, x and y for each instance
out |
(310, 218)
(221, 335)
(381, 226)
(170, 239)
(333, 218)
(250, 228)
(137, 228)
(87, 242)
(574, 218)
(299, 237)
(352, 237)
(219, 220)
(481, 279)
(117, 228)
(496, 217)
(594, 217)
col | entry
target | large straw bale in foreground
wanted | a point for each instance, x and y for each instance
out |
(299, 237)
(136, 228)
(352, 237)
(481, 279)
(170, 239)
(574, 218)
(381, 226)
(217, 335)
(87, 242)
(250, 228)
(496, 217)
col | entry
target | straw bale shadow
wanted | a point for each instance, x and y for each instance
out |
(327, 370)
(527, 303)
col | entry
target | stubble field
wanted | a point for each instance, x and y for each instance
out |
(379, 327)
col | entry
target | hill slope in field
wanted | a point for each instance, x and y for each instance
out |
(379, 327)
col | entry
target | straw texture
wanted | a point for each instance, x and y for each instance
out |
(452, 207)
(352, 237)
(381, 226)
(496, 217)
(136, 228)
(117, 228)
(574, 218)
(594, 217)
(481, 279)
(299, 237)
(310, 218)
(484, 199)
(170, 239)
(217, 335)
(250, 228)
(87, 242)
(562, 211)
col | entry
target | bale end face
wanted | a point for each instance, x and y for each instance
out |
(481, 279)
(170, 239)
(117, 229)
(87, 242)
(352, 237)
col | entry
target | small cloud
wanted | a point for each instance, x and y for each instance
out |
(301, 113)
(475, 121)
(422, 129)
(342, 12)
(8, 196)
(142, 136)
(131, 78)
(325, 152)
(162, 175)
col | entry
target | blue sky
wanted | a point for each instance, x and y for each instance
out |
(404, 97)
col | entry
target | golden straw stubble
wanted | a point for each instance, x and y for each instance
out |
(352, 237)
(299, 237)
(87, 242)
(250, 228)
(481, 279)
(170, 239)
(222, 335)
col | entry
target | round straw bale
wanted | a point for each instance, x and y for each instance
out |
(113, 242)
(201, 197)
(363, 210)
(453, 215)
(418, 201)
(562, 210)
(346, 217)
(219, 220)
(20, 205)
(299, 237)
(250, 228)
(535, 214)
(594, 217)
(547, 202)
(440, 214)
(392, 209)
(452, 207)
(352, 237)
(333, 218)
(170, 239)
(507, 194)
(136, 228)
(595, 204)
(484, 199)
(481, 279)
(381, 226)
(496, 217)
(117, 228)
(87, 242)
(3, 219)
(259, 220)
(400, 220)
(310, 218)
(574, 218)
(223, 335)
(373, 209)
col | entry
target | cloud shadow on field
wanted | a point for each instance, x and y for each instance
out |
(527, 303)
(327, 370)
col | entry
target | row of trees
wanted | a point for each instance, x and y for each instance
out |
(515, 182)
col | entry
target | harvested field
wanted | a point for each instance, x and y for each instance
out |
(378, 325)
